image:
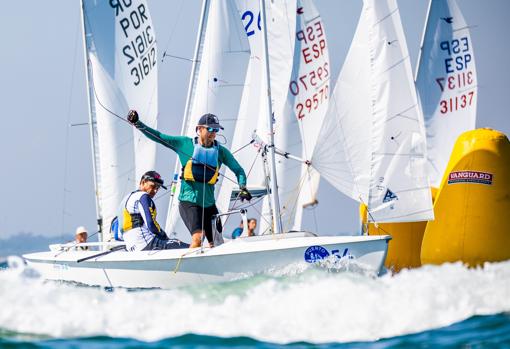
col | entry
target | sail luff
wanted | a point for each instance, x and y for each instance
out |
(92, 127)
(424, 32)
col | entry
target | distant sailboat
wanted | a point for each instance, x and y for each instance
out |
(447, 82)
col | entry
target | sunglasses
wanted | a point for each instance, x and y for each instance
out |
(213, 129)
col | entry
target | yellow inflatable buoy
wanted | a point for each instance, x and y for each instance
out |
(472, 203)
(405, 246)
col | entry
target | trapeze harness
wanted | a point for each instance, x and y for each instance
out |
(203, 166)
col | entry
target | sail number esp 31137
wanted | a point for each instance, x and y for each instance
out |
(458, 76)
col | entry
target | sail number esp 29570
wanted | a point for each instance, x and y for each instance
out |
(310, 86)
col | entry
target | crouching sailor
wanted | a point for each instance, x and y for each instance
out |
(138, 218)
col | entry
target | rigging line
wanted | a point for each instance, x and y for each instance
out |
(173, 28)
(211, 243)
(309, 177)
(177, 57)
(244, 146)
(342, 131)
(249, 204)
(247, 175)
(74, 244)
(299, 187)
(66, 153)
(240, 207)
(372, 217)
(269, 223)
(162, 141)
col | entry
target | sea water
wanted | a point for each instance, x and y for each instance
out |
(299, 306)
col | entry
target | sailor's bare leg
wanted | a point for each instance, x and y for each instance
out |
(196, 239)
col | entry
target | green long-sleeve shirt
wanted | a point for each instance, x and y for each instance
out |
(194, 192)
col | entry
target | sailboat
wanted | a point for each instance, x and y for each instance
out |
(114, 267)
(446, 80)
(373, 146)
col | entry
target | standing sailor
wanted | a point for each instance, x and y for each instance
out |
(138, 218)
(201, 158)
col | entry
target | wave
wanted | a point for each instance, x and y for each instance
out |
(477, 331)
(297, 304)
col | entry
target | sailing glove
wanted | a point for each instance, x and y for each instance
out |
(244, 194)
(132, 117)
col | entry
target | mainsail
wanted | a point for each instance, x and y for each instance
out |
(121, 56)
(218, 84)
(308, 98)
(252, 115)
(373, 141)
(446, 82)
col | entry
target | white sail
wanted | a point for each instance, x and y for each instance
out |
(373, 139)
(281, 35)
(252, 115)
(250, 108)
(121, 50)
(446, 82)
(218, 86)
(308, 99)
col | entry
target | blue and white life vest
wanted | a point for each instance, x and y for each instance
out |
(204, 166)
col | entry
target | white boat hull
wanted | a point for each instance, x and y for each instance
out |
(232, 260)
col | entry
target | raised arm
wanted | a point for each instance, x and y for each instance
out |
(172, 142)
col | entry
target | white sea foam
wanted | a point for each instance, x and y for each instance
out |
(298, 304)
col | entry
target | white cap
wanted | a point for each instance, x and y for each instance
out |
(80, 230)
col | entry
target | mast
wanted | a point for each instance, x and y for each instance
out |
(91, 126)
(275, 200)
(187, 108)
(198, 44)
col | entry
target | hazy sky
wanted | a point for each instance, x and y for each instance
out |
(46, 171)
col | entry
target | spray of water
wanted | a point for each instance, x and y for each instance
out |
(297, 303)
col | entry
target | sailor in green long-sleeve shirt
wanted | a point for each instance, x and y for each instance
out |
(201, 158)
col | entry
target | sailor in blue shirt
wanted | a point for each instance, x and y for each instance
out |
(252, 225)
(141, 231)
